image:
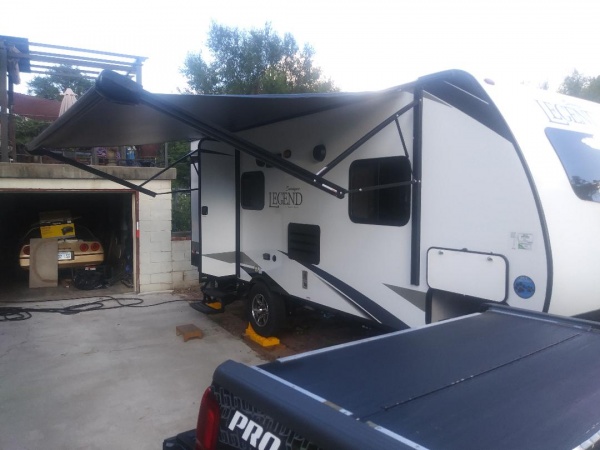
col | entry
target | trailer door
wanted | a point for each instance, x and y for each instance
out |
(214, 217)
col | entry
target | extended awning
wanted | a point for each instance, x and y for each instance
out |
(118, 112)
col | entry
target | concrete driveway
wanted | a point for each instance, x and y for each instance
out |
(107, 379)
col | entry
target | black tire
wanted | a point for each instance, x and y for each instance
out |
(266, 310)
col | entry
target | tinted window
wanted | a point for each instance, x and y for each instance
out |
(579, 154)
(382, 202)
(253, 190)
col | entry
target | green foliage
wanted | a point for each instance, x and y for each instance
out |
(257, 61)
(181, 214)
(243, 62)
(53, 85)
(178, 150)
(27, 129)
(581, 86)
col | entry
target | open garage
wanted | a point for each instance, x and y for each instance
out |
(134, 229)
(107, 215)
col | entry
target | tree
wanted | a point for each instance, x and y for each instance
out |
(181, 202)
(254, 62)
(243, 62)
(26, 130)
(55, 83)
(50, 86)
(581, 86)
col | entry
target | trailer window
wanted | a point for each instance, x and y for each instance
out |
(383, 202)
(253, 190)
(579, 154)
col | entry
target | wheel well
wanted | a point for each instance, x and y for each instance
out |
(268, 283)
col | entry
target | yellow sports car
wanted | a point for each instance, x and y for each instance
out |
(77, 248)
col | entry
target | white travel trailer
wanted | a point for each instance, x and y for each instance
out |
(405, 206)
(456, 192)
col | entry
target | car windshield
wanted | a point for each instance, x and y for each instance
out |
(579, 154)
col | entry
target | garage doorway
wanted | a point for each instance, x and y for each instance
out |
(109, 215)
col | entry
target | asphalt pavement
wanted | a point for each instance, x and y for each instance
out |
(106, 378)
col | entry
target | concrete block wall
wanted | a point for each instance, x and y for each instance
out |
(155, 262)
(184, 274)
(164, 261)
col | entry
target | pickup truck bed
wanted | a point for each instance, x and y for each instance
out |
(502, 379)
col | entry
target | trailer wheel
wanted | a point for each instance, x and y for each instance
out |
(266, 310)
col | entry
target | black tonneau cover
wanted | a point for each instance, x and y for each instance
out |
(502, 379)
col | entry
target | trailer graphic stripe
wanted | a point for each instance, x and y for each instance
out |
(417, 298)
(229, 257)
(375, 310)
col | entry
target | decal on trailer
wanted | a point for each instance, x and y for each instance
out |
(522, 241)
(524, 287)
(253, 433)
(291, 197)
(565, 114)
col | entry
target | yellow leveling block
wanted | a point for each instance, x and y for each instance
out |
(262, 341)
(214, 305)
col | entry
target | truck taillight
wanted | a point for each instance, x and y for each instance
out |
(207, 428)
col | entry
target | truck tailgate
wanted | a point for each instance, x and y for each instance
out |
(496, 380)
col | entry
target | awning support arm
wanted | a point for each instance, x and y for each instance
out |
(364, 139)
(120, 89)
(183, 158)
(177, 191)
(99, 173)
(381, 186)
(159, 173)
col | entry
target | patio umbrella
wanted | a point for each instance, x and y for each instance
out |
(69, 98)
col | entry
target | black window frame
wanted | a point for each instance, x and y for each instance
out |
(252, 190)
(379, 203)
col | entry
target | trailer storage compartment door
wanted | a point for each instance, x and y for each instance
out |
(481, 275)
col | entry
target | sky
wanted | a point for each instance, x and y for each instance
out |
(360, 45)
